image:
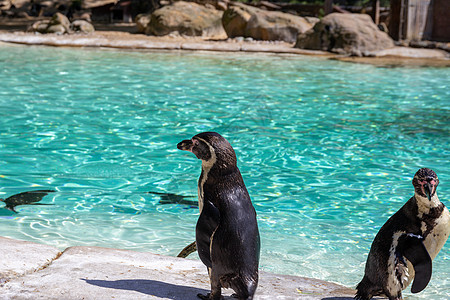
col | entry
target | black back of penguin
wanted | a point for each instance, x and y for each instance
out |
(404, 247)
(227, 232)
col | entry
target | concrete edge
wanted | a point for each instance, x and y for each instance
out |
(15, 263)
(88, 271)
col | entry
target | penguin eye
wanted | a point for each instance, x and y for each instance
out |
(195, 142)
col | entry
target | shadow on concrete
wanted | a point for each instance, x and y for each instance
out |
(150, 287)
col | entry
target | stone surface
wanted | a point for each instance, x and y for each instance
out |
(102, 273)
(39, 26)
(186, 18)
(60, 24)
(142, 21)
(19, 257)
(60, 19)
(82, 26)
(351, 34)
(248, 21)
(57, 28)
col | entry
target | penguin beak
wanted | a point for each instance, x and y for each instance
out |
(428, 188)
(185, 145)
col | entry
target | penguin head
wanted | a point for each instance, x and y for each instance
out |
(212, 148)
(425, 182)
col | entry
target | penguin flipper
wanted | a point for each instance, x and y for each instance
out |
(206, 226)
(411, 246)
(191, 248)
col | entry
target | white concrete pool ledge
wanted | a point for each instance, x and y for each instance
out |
(34, 271)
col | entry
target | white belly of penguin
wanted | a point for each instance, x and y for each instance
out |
(201, 196)
(434, 242)
(436, 239)
(206, 167)
(396, 269)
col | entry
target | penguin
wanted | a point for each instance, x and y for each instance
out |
(227, 235)
(26, 198)
(406, 244)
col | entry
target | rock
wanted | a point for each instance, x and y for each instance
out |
(248, 21)
(60, 19)
(60, 24)
(221, 5)
(22, 14)
(430, 45)
(235, 20)
(85, 16)
(82, 26)
(57, 28)
(142, 21)
(5, 5)
(39, 26)
(186, 18)
(351, 34)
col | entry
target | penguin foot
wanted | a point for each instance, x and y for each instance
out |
(236, 296)
(362, 296)
(208, 297)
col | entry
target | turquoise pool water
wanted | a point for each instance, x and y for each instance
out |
(327, 149)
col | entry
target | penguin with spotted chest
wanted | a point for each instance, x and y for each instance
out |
(227, 233)
(406, 244)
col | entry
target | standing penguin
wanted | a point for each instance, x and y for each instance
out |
(227, 233)
(407, 243)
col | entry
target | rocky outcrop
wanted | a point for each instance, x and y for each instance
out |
(351, 34)
(60, 24)
(248, 21)
(142, 21)
(82, 26)
(186, 18)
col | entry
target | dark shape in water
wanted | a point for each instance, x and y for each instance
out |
(191, 248)
(26, 198)
(169, 198)
(125, 210)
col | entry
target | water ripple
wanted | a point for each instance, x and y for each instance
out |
(327, 149)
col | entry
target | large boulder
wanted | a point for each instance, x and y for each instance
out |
(82, 26)
(142, 21)
(351, 34)
(186, 18)
(60, 20)
(39, 26)
(248, 21)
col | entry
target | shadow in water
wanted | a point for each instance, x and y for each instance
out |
(150, 287)
(338, 298)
